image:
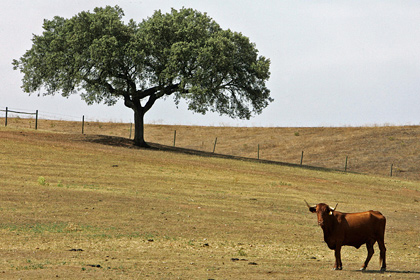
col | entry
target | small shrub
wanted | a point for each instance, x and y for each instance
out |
(297, 134)
(242, 252)
(42, 181)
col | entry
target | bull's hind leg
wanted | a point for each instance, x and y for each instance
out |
(370, 251)
(382, 248)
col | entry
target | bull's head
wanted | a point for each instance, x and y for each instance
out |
(323, 212)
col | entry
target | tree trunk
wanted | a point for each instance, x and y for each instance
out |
(139, 111)
(139, 129)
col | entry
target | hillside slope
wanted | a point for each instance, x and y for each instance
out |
(368, 149)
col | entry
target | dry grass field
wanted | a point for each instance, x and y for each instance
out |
(369, 150)
(79, 206)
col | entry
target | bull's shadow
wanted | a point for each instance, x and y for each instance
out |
(389, 272)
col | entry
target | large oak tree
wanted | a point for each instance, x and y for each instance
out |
(184, 54)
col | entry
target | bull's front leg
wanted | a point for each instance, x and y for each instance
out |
(338, 265)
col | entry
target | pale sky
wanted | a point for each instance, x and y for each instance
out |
(333, 63)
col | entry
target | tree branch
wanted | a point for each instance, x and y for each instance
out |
(150, 102)
(129, 81)
(144, 93)
(128, 102)
(159, 91)
(98, 82)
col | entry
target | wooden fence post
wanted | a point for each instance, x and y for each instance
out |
(174, 137)
(301, 159)
(5, 124)
(36, 120)
(392, 165)
(258, 151)
(83, 124)
(215, 142)
(131, 129)
(345, 167)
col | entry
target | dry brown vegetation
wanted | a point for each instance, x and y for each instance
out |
(72, 207)
(369, 149)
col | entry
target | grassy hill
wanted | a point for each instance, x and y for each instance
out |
(73, 207)
(368, 149)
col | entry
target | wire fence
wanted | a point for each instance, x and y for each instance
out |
(7, 111)
(24, 118)
(48, 121)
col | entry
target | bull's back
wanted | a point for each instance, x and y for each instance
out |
(363, 227)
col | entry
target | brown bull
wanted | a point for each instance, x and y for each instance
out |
(351, 229)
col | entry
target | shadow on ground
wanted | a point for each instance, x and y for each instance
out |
(127, 143)
(389, 272)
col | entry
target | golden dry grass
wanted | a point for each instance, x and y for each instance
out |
(74, 208)
(369, 149)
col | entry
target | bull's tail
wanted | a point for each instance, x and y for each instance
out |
(382, 247)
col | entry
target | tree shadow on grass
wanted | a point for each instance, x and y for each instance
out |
(127, 143)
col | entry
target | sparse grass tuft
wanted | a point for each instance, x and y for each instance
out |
(42, 181)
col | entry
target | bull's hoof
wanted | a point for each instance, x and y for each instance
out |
(363, 268)
(337, 268)
(383, 269)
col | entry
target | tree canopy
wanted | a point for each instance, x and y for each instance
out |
(184, 54)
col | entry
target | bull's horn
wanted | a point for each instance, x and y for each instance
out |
(307, 204)
(335, 207)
